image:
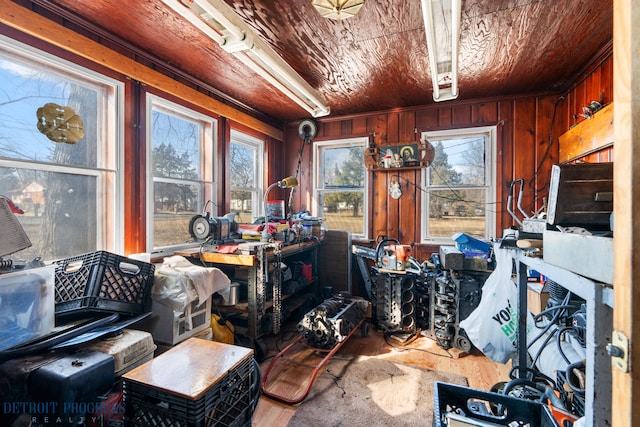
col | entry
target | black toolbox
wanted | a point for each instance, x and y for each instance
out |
(77, 377)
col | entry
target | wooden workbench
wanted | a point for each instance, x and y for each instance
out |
(256, 263)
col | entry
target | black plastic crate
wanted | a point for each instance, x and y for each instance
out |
(102, 281)
(575, 401)
(470, 405)
(228, 403)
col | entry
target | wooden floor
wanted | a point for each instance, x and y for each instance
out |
(481, 372)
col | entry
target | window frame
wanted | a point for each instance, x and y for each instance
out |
(108, 170)
(257, 198)
(207, 191)
(490, 133)
(317, 189)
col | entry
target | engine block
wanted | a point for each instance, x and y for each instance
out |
(332, 321)
(394, 301)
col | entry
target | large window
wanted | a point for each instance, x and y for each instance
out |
(59, 140)
(181, 146)
(460, 187)
(340, 180)
(245, 163)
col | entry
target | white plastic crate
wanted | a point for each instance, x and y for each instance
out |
(171, 327)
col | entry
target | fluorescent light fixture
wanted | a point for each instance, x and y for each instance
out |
(218, 21)
(337, 9)
(442, 27)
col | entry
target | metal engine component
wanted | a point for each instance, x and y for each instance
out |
(455, 296)
(331, 321)
(394, 301)
(423, 291)
(421, 297)
(579, 325)
(444, 310)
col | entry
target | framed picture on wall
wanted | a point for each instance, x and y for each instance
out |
(398, 156)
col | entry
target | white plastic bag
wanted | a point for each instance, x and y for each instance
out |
(493, 326)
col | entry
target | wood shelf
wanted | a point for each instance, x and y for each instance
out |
(588, 136)
(377, 169)
(243, 306)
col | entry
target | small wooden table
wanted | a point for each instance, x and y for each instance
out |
(190, 368)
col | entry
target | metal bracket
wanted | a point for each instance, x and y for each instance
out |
(619, 351)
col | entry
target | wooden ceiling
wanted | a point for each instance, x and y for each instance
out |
(374, 61)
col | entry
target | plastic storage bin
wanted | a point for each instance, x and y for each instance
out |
(26, 306)
(472, 247)
(102, 282)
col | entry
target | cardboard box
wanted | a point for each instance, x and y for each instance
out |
(129, 349)
(537, 297)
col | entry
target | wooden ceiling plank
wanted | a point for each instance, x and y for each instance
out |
(24, 20)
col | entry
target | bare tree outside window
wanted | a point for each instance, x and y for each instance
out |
(458, 184)
(340, 182)
(182, 168)
(245, 163)
(67, 191)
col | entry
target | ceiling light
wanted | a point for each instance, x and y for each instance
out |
(337, 9)
(218, 21)
(442, 28)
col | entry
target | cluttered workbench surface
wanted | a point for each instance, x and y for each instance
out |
(244, 253)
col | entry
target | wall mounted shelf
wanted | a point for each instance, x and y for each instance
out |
(400, 156)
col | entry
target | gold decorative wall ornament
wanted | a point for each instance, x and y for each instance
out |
(60, 124)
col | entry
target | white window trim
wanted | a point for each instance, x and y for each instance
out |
(111, 238)
(208, 173)
(316, 163)
(491, 174)
(240, 138)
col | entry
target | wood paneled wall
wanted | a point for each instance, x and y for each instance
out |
(528, 128)
(594, 85)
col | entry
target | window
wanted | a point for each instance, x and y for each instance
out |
(59, 139)
(181, 146)
(460, 188)
(339, 182)
(245, 163)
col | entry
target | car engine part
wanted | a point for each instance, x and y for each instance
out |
(394, 302)
(331, 321)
